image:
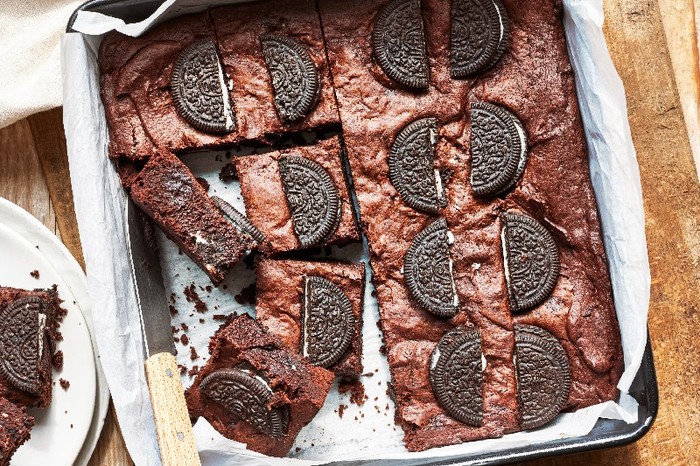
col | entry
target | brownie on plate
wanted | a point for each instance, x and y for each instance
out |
(167, 191)
(315, 308)
(298, 197)
(29, 329)
(15, 427)
(254, 390)
(234, 74)
(470, 166)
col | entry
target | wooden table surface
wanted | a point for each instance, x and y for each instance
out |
(662, 89)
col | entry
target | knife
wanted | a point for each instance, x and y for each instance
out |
(173, 426)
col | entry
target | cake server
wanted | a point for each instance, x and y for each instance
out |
(173, 427)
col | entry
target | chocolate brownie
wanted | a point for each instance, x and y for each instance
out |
(254, 390)
(298, 197)
(15, 427)
(167, 192)
(532, 80)
(29, 329)
(283, 290)
(150, 102)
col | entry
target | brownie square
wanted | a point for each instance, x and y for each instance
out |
(29, 329)
(293, 390)
(280, 296)
(167, 192)
(136, 78)
(15, 427)
(266, 203)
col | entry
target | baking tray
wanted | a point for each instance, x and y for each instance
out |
(606, 433)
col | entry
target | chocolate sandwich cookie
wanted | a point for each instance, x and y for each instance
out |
(400, 45)
(246, 394)
(201, 89)
(239, 221)
(428, 270)
(531, 260)
(295, 78)
(411, 169)
(456, 375)
(544, 379)
(499, 149)
(479, 36)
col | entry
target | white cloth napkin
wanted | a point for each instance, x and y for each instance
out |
(30, 56)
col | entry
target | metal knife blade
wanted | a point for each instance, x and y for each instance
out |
(150, 292)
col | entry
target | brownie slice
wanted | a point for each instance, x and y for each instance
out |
(280, 292)
(167, 192)
(135, 78)
(29, 329)
(254, 390)
(534, 81)
(15, 427)
(267, 201)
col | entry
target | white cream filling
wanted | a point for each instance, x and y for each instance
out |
(225, 87)
(438, 184)
(504, 252)
(434, 358)
(40, 335)
(500, 21)
(199, 239)
(455, 300)
(259, 378)
(523, 147)
(483, 362)
(476, 266)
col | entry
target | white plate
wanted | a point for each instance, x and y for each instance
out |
(61, 430)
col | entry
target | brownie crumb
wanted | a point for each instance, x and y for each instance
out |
(208, 288)
(228, 173)
(203, 183)
(183, 369)
(185, 327)
(220, 317)
(58, 359)
(64, 383)
(341, 410)
(193, 353)
(35, 274)
(201, 321)
(173, 311)
(184, 339)
(356, 389)
(247, 295)
(194, 371)
(382, 349)
(193, 297)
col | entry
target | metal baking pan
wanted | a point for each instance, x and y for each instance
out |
(606, 433)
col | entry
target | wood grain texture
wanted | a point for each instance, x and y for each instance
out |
(636, 37)
(175, 437)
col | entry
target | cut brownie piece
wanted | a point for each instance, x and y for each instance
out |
(15, 427)
(167, 191)
(254, 390)
(145, 109)
(29, 328)
(283, 291)
(298, 197)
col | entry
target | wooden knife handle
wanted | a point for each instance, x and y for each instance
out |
(173, 426)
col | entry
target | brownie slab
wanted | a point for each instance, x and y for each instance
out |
(275, 392)
(167, 192)
(15, 427)
(138, 95)
(29, 329)
(533, 79)
(266, 201)
(280, 291)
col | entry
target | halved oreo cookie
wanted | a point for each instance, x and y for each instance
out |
(327, 322)
(295, 78)
(499, 149)
(240, 221)
(456, 375)
(23, 343)
(201, 89)
(531, 260)
(480, 31)
(411, 168)
(246, 395)
(544, 379)
(428, 270)
(399, 44)
(312, 197)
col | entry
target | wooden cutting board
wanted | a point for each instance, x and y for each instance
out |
(34, 174)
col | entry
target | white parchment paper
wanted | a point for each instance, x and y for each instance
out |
(366, 432)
